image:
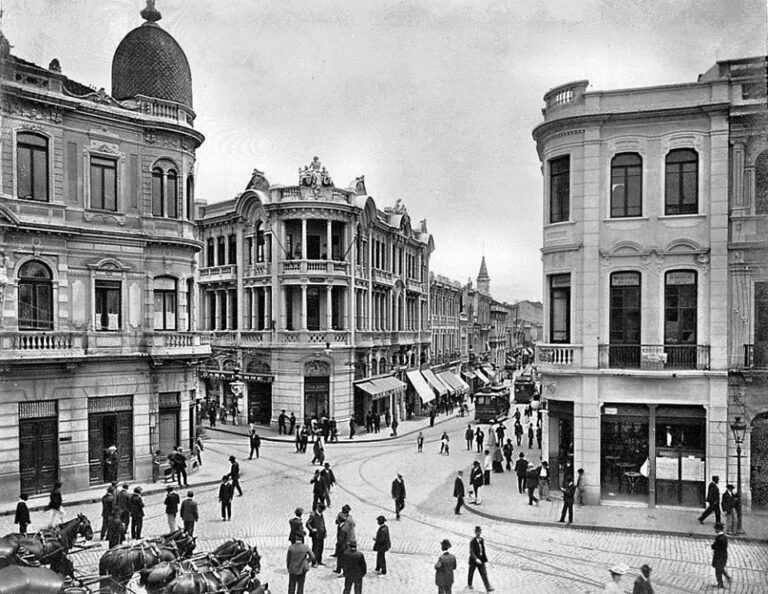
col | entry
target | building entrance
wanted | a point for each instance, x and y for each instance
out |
(38, 446)
(110, 423)
(259, 402)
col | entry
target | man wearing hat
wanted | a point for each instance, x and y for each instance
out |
(354, 569)
(729, 509)
(458, 492)
(226, 493)
(381, 544)
(296, 525)
(720, 555)
(137, 513)
(643, 581)
(123, 504)
(172, 502)
(316, 526)
(444, 568)
(298, 560)
(713, 499)
(107, 505)
(345, 533)
(234, 473)
(478, 560)
(189, 513)
(398, 494)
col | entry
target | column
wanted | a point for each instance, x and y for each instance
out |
(221, 324)
(267, 309)
(369, 269)
(737, 180)
(303, 239)
(303, 306)
(328, 236)
(329, 307)
(652, 455)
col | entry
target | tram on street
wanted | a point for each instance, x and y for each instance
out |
(527, 386)
(491, 403)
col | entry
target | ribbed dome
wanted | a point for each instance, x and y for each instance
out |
(149, 61)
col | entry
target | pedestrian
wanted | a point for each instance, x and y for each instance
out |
(387, 417)
(123, 504)
(334, 430)
(319, 488)
(501, 430)
(507, 451)
(171, 502)
(234, 473)
(444, 440)
(116, 531)
(297, 439)
(351, 427)
(544, 481)
(304, 438)
(317, 532)
(521, 469)
(444, 568)
(369, 422)
(720, 555)
(538, 436)
(581, 483)
(255, 442)
(487, 467)
(517, 415)
(291, 422)
(137, 513)
(330, 481)
(398, 494)
(189, 513)
(532, 482)
(226, 494)
(713, 499)
(22, 515)
(729, 509)
(478, 560)
(111, 460)
(180, 463)
(381, 544)
(196, 453)
(530, 436)
(518, 432)
(479, 438)
(458, 492)
(469, 437)
(157, 461)
(55, 506)
(395, 425)
(568, 494)
(497, 458)
(212, 416)
(107, 507)
(617, 572)
(376, 422)
(345, 534)
(476, 481)
(420, 442)
(298, 561)
(281, 418)
(643, 581)
(319, 451)
(296, 524)
(354, 569)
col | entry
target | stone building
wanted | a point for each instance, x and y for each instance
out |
(636, 285)
(317, 300)
(97, 248)
(445, 311)
(477, 328)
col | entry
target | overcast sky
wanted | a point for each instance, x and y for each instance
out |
(433, 101)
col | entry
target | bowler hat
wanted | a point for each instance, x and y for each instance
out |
(169, 488)
(445, 544)
(381, 519)
(353, 545)
(346, 508)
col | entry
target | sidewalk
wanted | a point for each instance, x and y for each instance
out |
(501, 501)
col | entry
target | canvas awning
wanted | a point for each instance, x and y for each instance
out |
(468, 374)
(489, 372)
(481, 376)
(381, 387)
(433, 382)
(450, 379)
(420, 385)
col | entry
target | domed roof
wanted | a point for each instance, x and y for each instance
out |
(149, 61)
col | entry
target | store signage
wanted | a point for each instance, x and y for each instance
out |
(625, 279)
(610, 410)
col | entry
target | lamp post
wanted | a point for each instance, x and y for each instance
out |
(739, 429)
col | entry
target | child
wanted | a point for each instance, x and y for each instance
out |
(420, 442)
(22, 514)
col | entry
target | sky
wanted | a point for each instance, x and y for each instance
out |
(433, 101)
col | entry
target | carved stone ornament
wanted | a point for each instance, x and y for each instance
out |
(315, 176)
(39, 113)
(399, 207)
(257, 181)
(3, 280)
(150, 136)
(104, 147)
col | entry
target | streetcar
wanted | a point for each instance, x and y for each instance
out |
(527, 386)
(491, 403)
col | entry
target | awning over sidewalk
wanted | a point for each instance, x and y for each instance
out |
(433, 382)
(479, 374)
(468, 374)
(420, 385)
(489, 372)
(450, 379)
(381, 387)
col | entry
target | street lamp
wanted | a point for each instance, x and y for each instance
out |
(739, 429)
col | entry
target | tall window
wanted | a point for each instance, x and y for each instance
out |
(560, 308)
(559, 189)
(35, 297)
(32, 166)
(232, 249)
(165, 303)
(103, 183)
(249, 250)
(210, 252)
(682, 182)
(165, 193)
(680, 316)
(157, 192)
(761, 183)
(172, 194)
(221, 251)
(260, 255)
(190, 198)
(626, 185)
(625, 320)
(108, 301)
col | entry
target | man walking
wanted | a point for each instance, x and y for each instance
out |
(107, 505)
(354, 569)
(479, 438)
(476, 480)
(123, 504)
(319, 489)
(468, 437)
(544, 481)
(398, 494)
(137, 513)
(521, 468)
(234, 473)
(22, 515)
(713, 499)
(478, 560)
(180, 466)
(720, 555)
(643, 581)
(444, 568)
(330, 479)
(298, 561)
(508, 450)
(518, 432)
(255, 441)
(569, 493)
(345, 534)
(729, 509)
(281, 423)
(381, 544)
(420, 442)
(317, 532)
(189, 513)
(458, 492)
(531, 482)
(55, 506)
(296, 525)
(172, 502)
(226, 493)
(530, 436)
(291, 422)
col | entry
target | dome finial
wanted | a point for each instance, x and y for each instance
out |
(150, 13)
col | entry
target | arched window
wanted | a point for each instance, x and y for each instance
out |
(165, 303)
(382, 365)
(626, 185)
(35, 297)
(761, 183)
(190, 198)
(682, 182)
(157, 192)
(32, 166)
(165, 191)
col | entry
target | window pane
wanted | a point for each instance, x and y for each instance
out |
(170, 311)
(44, 303)
(24, 172)
(157, 194)
(172, 195)
(40, 172)
(97, 187)
(33, 269)
(110, 188)
(26, 305)
(159, 311)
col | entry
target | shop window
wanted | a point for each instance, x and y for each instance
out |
(103, 183)
(35, 297)
(108, 305)
(682, 182)
(232, 249)
(559, 189)
(165, 303)
(560, 308)
(32, 166)
(626, 185)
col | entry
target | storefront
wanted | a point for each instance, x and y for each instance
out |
(168, 421)
(560, 441)
(259, 399)
(379, 395)
(419, 392)
(110, 423)
(316, 389)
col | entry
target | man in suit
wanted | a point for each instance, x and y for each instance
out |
(345, 533)
(137, 513)
(521, 469)
(255, 441)
(569, 493)
(729, 509)
(458, 492)
(296, 525)
(398, 494)
(354, 569)
(381, 544)
(189, 513)
(317, 532)
(297, 561)
(713, 499)
(478, 560)
(179, 465)
(107, 505)
(172, 502)
(234, 473)
(444, 568)
(226, 493)
(720, 555)
(476, 480)
(643, 581)
(123, 504)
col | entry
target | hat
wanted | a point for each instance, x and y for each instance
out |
(352, 544)
(231, 458)
(730, 487)
(299, 511)
(190, 493)
(346, 508)
(125, 485)
(320, 505)
(381, 519)
(137, 490)
(619, 569)
(445, 544)
(110, 489)
(477, 528)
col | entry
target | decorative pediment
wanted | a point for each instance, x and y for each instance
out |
(684, 246)
(108, 264)
(7, 216)
(317, 368)
(315, 176)
(626, 248)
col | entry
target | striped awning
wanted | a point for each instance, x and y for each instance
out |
(453, 381)
(420, 385)
(481, 376)
(381, 387)
(434, 383)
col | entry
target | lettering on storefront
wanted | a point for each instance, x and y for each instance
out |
(610, 410)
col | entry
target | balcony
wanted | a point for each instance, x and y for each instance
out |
(218, 273)
(414, 285)
(317, 338)
(756, 356)
(175, 344)
(323, 267)
(41, 345)
(257, 269)
(361, 271)
(244, 338)
(653, 357)
(550, 356)
(382, 276)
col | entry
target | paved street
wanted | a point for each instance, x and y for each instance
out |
(523, 558)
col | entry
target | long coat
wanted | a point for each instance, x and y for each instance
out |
(354, 565)
(720, 551)
(398, 489)
(458, 487)
(316, 525)
(189, 510)
(382, 542)
(444, 568)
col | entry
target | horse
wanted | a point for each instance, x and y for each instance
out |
(229, 578)
(47, 547)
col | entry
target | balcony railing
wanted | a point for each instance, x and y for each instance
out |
(314, 266)
(653, 357)
(313, 337)
(257, 269)
(756, 356)
(214, 273)
(40, 344)
(175, 343)
(558, 355)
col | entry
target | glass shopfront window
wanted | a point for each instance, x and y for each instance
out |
(624, 439)
(680, 455)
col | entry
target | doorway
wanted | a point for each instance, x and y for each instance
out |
(758, 481)
(259, 402)
(38, 449)
(110, 423)
(316, 391)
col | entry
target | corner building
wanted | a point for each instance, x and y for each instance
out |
(317, 300)
(635, 258)
(97, 244)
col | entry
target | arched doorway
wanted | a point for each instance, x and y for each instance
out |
(758, 481)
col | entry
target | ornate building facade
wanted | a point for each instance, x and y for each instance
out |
(317, 300)
(97, 247)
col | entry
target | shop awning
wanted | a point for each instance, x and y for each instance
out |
(389, 384)
(489, 372)
(451, 380)
(433, 382)
(481, 376)
(468, 374)
(381, 387)
(420, 385)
